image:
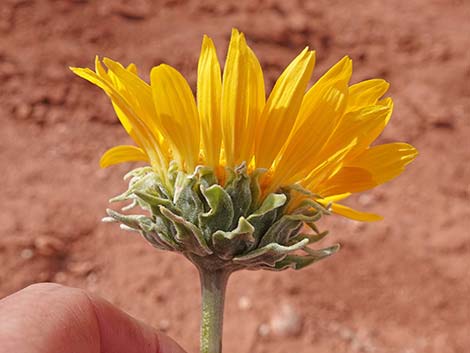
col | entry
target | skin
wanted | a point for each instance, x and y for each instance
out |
(50, 318)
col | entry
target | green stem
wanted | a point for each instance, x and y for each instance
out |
(213, 285)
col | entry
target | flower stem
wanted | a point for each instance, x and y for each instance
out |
(213, 285)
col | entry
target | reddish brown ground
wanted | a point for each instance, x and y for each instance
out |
(398, 286)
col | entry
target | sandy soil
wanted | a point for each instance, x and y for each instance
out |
(398, 286)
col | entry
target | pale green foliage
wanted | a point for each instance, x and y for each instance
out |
(229, 226)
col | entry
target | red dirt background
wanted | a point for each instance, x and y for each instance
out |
(398, 286)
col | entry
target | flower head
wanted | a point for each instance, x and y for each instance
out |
(312, 145)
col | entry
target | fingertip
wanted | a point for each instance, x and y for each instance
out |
(50, 316)
(121, 333)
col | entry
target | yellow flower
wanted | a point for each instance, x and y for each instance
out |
(319, 138)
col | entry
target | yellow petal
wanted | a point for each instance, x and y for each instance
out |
(139, 94)
(385, 162)
(327, 168)
(281, 109)
(246, 140)
(121, 154)
(342, 69)
(377, 120)
(136, 128)
(100, 70)
(334, 198)
(366, 93)
(132, 68)
(338, 75)
(319, 114)
(242, 100)
(354, 214)
(136, 90)
(209, 88)
(364, 124)
(99, 79)
(347, 180)
(177, 114)
(258, 99)
(132, 102)
(387, 102)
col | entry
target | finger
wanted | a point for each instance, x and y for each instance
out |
(49, 318)
(119, 331)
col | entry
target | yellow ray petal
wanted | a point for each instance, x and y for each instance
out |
(121, 154)
(242, 100)
(100, 70)
(327, 168)
(387, 102)
(281, 109)
(132, 68)
(136, 91)
(102, 80)
(139, 94)
(119, 85)
(385, 162)
(347, 180)
(256, 79)
(209, 88)
(338, 75)
(177, 114)
(320, 112)
(354, 214)
(364, 125)
(376, 123)
(136, 128)
(366, 93)
(335, 198)
(342, 68)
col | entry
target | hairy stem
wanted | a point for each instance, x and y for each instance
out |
(213, 285)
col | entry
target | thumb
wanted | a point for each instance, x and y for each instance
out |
(49, 318)
(121, 333)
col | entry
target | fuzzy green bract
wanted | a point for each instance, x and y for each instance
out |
(226, 226)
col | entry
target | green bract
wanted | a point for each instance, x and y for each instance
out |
(230, 227)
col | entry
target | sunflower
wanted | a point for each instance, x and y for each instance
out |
(237, 181)
(318, 138)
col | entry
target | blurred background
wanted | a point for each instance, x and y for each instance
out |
(398, 286)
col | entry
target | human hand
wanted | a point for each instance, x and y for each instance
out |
(50, 318)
